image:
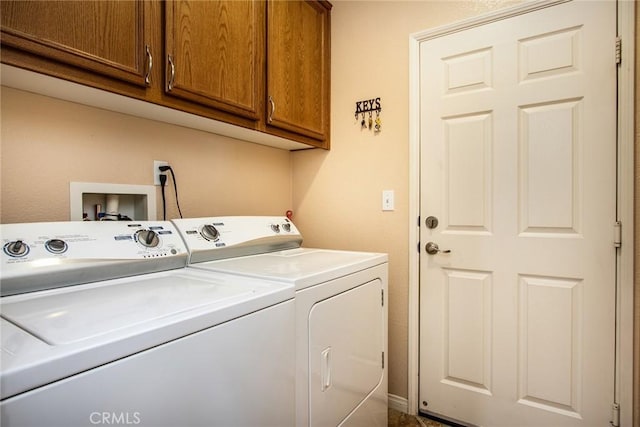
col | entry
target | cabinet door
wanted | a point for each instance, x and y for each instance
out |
(298, 67)
(105, 37)
(215, 52)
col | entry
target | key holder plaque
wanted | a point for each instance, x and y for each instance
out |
(365, 110)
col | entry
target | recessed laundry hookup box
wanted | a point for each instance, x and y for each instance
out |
(101, 201)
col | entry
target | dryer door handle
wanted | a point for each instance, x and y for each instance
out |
(325, 368)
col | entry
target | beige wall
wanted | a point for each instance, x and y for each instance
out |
(337, 194)
(47, 143)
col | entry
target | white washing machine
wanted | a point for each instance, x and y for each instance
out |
(101, 323)
(341, 311)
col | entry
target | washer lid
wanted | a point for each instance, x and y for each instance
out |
(53, 334)
(79, 314)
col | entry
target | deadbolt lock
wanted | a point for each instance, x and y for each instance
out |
(431, 222)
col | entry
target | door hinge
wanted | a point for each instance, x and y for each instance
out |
(617, 234)
(418, 247)
(382, 297)
(383, 360)
(618, 50)
(418, 220)
(615, 415)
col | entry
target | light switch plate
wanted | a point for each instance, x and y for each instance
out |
(388, 200)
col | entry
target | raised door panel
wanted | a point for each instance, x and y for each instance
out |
(298, 67)
(215, 54)
(105, 37)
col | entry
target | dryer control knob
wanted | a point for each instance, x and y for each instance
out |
(17, 248)
(148, 238)
(209, 232)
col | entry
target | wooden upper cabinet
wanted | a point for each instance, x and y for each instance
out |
(104, 37)
(215, 53)
(298, 68)
(263, 65)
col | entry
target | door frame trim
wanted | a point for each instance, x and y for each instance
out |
(626, 199)
(625, 193)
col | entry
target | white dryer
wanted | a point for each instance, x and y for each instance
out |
(101, 323)
(341, 311)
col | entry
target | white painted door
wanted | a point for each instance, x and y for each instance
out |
(518, 155)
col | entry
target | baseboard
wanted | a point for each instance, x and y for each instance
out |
(398, 403)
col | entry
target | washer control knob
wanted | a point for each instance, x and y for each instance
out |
(148, 238)
(17, 248)
(275, 228)
(286, 227)
(210, 232)
(56, 246)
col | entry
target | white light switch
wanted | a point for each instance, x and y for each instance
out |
(387, 200)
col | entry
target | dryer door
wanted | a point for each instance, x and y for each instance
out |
(346, 347)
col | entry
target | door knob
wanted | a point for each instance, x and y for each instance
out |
(432, 249)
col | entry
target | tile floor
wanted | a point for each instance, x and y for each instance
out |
(400, 419)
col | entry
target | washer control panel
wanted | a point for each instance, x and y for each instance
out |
(89, 240)
(46, 250)
(223, 237)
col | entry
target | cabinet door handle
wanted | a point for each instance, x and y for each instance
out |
(173, 72)
(147, 78)
(273, 108)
